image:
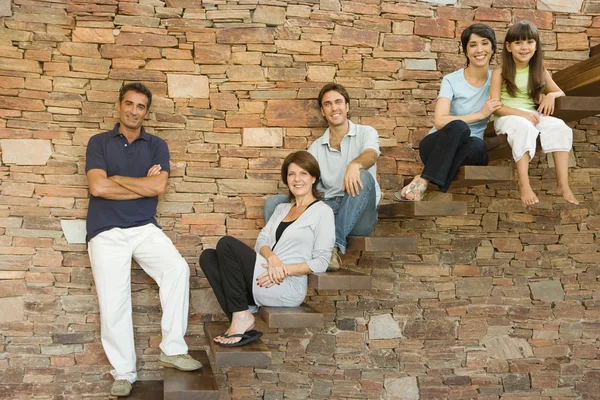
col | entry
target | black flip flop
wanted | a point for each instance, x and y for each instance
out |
(247, 337)
(226, 336)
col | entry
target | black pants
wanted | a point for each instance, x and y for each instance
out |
(229, 269)
(445, 151)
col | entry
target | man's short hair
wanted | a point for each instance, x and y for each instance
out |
(333, 87)
(138, 88)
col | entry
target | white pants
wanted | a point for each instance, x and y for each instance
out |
(110, 255)
(522, 135)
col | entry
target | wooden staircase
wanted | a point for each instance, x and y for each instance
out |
(194, 385)
(254, 354)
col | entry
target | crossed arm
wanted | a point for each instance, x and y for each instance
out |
(126, 188)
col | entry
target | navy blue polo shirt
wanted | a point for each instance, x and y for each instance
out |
(110, 151)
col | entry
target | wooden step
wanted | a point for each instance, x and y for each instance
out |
(303, 316)
(342, 279)
(379, 243)
(147, 390)
(574, 108)
(581, 79)
(193, 385)
(475, 175)
(254, 354)
(422, 209)
(595, 50)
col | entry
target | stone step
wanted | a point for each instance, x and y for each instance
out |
(254, 354)
(422, 209)
(147, 390)
(342, 279)
(194, 385)
(303, 316)
(381, 243)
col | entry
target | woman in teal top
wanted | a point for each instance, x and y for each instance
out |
(527, 92)
(461, 114)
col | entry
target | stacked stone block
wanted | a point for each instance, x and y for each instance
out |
(497, 303)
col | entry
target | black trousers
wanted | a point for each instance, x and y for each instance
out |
(445, 151)
(230, 269)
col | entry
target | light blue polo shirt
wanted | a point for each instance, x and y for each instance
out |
(465, 99)
(333, 163)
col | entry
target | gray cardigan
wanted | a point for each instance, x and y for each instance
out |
(309, 239)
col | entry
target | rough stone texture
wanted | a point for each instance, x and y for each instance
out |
(188, 86)
(402, 388)
(507, 348)
(383, 327)
(26, 151)
(74, 230)
(203, 301)
(474, 323)
(549, 291)
(12, 309)
(573, 6)
(262, 137)
(5, 9)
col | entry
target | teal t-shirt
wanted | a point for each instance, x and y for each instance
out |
(465, 98)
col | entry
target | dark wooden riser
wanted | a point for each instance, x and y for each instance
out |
(254, 354)
(380, 243)
(176, 385)
(342, 279)
(194, 385)
(303, 316)
(422, 209)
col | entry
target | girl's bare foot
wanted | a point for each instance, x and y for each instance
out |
(527, 195)
(567, 194)
(241, 322)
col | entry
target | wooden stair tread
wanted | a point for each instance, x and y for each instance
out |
(303, 316)
(422, 209)
(574, 108)
(342, 279)
(381, 243)
(581, 79)
(475, 175)
(193, 385)
(595, 50)
(147, 390)
(254, 354)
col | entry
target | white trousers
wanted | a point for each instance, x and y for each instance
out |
(522, 135)
(110, 255)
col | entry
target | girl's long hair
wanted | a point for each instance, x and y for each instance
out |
(524, 30)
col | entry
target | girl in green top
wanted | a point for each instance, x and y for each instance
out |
(527, 93)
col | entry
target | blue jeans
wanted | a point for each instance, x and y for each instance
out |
(354, 216)
(446, 150)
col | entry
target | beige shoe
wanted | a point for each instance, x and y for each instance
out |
(183, 362)
(336, 261)
(120, 388)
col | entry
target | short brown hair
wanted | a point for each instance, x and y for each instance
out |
(307, 162)
(336, 87)
(138, 88)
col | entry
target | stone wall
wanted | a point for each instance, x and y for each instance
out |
(501, 302)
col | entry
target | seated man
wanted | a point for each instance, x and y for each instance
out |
(346, 153)
(127, 168)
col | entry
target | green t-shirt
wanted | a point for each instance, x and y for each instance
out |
(522, 99)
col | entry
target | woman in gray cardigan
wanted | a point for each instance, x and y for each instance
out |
(296, 241)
